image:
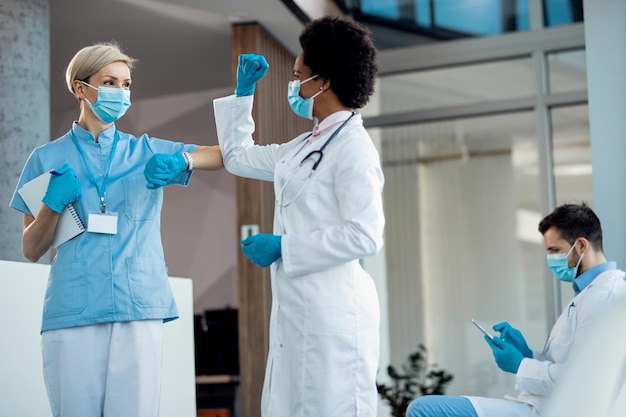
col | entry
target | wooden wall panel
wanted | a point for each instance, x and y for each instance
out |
(275, 122)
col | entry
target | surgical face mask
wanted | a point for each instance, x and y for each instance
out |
(303, 107)
(557, 263)
(111, 104)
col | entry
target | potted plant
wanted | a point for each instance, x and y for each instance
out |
(417, 378)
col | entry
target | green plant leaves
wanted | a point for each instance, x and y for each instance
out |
(417, 378)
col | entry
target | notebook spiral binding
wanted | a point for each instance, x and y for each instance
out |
(77, 219)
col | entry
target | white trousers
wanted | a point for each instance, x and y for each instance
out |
(104, 370)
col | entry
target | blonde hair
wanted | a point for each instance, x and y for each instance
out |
(92, 59)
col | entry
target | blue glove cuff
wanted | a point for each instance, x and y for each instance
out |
(247, 91)
(262, 249)
(279, 243)
(179, 162)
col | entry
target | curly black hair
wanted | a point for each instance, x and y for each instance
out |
(343, 52)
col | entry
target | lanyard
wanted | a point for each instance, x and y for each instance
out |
(102, 189)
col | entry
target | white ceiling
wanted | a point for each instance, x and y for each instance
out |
(182, 45)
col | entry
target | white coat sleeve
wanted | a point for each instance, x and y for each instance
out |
(358, 231)
(538, 376)
(233, 118)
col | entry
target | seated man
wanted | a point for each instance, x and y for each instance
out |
(573, 240)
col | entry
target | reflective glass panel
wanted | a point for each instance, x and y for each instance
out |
(572, 164)
(572, 154)
(442, 87)
(562, 12)
(453, 19)
(458, 18)
(462, 206)
(568, 71)
(479, 18)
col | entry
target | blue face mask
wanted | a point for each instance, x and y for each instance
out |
(112, 103)
(558, 265)
(303, 107)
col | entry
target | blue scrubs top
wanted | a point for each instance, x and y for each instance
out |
(101, 278)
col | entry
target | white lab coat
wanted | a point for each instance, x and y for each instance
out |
(536, 377)
(601, 379)
(324, 324)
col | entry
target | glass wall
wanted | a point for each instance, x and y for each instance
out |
(469, 190)
(567, 71)
(562, 12)
(454, 86)
(572, 163)
(454, 19)
(475, 152)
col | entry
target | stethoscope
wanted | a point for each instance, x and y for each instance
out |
(317, 156)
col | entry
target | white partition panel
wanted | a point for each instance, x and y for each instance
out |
(22, 390)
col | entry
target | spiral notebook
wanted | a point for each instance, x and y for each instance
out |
(69, 224)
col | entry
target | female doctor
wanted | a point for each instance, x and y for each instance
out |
(324, 325)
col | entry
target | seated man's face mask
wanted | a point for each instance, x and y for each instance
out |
(558, 265)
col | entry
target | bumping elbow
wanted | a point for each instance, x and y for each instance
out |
(235, 168)
(230, 163)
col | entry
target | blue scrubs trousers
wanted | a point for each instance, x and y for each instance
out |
(440, 406)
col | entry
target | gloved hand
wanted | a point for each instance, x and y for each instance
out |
(513, 336)
(250, 69)
(262, 249)
(63, 189)
(162, 168)
(506, 355)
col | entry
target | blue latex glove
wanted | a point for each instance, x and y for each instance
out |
(513, 336)
(250, 69)
(506, 355)
(162, 168)
(262, 249)
(63, 189)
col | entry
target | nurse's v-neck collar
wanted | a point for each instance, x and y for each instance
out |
(105, 138)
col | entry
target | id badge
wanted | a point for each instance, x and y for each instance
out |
(102, 223)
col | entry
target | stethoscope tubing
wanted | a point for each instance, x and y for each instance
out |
(315, 165)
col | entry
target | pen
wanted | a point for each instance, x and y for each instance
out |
(570, 307)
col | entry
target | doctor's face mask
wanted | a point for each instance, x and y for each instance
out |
(559, 266)
(303, 107)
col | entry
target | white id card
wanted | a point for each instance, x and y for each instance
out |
(102, 223)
